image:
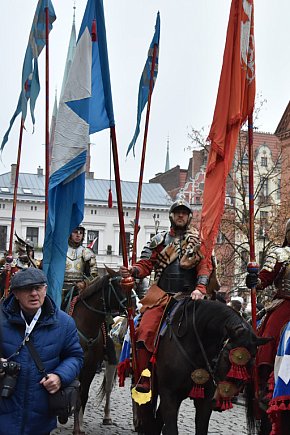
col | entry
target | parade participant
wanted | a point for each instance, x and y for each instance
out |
(29, 314)
(276, 270)
(179, 270)
(81, 265)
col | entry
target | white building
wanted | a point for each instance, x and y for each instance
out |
(101, 222)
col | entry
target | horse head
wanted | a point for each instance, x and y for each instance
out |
(105, 294)
(235, 361)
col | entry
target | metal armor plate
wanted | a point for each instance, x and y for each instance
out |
(174, 279)
(283, 282)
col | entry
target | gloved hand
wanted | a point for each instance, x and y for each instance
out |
(252, 280)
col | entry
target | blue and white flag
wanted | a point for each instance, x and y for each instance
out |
(145, 82)
(282, 367)
(30, 86)
(85, 107)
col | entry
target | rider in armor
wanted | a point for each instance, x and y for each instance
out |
(179, 270)
(81, 266)
(276, 270)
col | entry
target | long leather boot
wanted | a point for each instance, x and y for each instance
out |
(143, 357)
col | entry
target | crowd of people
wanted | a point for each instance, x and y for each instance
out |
(28, 313)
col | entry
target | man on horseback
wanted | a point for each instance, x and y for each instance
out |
(179, 270)
(276, 270)
(81, 266)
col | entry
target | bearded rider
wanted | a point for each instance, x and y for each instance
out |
(179, 270)
(276, 270)
(81, 266)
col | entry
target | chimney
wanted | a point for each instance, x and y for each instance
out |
(13, 173)
(40, 171)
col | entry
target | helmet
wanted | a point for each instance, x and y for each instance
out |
(180, 203)
(80, 228)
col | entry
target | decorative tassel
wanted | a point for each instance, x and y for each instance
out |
(197, 392)
(239, 357)
(153, 359)
(94, 31)
(238, 372)
(282, 406)
(225, 404)
(110, 199)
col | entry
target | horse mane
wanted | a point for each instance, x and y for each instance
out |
(95, 286)
(219, 314)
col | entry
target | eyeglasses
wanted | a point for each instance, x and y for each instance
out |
(37, 287)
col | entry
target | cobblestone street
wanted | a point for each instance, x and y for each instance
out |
(230, 422)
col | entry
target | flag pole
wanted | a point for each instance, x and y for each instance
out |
(127, 283)
(253, 266)
(9, 257)
(46, 110)
(137, 213)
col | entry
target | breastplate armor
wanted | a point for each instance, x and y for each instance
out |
(283, 282)
(174, 279)
(74, 268)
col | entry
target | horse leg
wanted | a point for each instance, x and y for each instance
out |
(169, 407)
(78, 419)
(109, 377)
(203, 412)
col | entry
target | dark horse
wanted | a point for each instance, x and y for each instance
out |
(103, 296)
(199, 335)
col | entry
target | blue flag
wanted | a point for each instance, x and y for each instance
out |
(30, 86)
(85, 107)
(145, 81)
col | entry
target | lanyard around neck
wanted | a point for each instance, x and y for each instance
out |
(29, 328)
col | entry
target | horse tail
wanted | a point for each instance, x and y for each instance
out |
(101, 393)
(251, 409)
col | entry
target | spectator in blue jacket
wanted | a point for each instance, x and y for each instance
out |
(29, 312)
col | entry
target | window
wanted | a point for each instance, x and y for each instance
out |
(31, 207)
(93, 240)
(244, 261)
(127, 241)
(278, 189)
(220, 238)
(27, 191)
(265, 187)
(264, 162)
(4, 189)
(3, 237)
(2, 206)
(197, 200)
(32, 235)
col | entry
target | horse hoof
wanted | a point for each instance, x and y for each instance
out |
(107, 421)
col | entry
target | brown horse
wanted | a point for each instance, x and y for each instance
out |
(199, 338)
(102, 297)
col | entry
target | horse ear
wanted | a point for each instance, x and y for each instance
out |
(263, 340)
(234, 332)
(110, 271)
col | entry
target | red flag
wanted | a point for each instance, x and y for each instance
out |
(235, 101)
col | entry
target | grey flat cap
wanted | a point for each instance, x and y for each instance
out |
(27, 278)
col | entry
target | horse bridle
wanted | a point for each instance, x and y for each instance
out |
(183, 351)
(111, 290)
(92, 341)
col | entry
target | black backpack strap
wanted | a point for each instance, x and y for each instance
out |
(36, 357)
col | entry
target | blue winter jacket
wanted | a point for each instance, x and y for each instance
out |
(56, 340)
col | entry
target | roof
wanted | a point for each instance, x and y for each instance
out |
(31, 187)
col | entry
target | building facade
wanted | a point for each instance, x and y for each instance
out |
(100, 221)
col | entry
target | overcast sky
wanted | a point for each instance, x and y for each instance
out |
(192, 41)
